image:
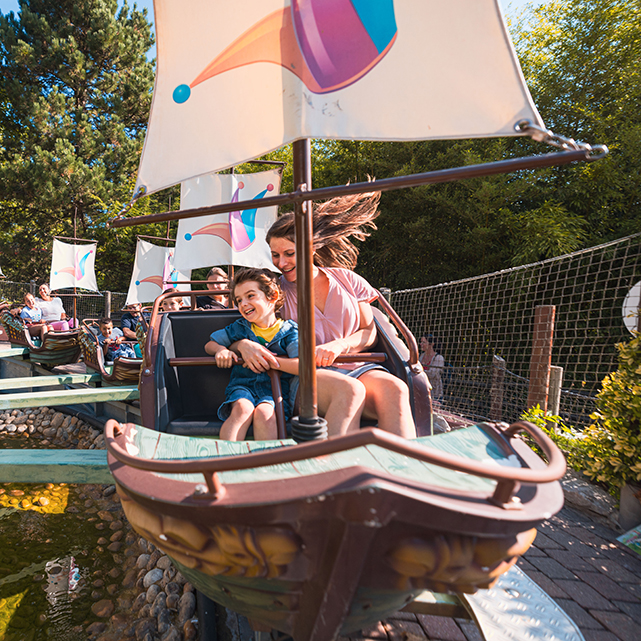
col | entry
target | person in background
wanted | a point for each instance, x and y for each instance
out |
(130, 320)
(170, 304)
(433, 364)
(53, 312)
(31, 314)
(111, 339)
(217, 280)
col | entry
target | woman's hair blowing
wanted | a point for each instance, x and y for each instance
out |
(335, 222)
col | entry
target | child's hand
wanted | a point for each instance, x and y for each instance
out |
(226, 358)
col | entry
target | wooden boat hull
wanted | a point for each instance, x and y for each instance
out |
(57, 348)
(363, 522)
(125, 371)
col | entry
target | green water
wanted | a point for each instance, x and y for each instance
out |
(53, 567)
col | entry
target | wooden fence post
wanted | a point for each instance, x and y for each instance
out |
(32, 287)
(541, 360)
(496, 390)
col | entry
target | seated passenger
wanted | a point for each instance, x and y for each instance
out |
(31, 314)
(130, 320)
(170, 305)
(218, 280)
(53, 312)
(248, 397)
(112, 341)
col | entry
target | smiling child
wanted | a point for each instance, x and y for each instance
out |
(248, 397)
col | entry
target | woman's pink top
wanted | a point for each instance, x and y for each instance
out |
(341, 317)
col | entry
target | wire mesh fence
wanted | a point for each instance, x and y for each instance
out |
(474, 319)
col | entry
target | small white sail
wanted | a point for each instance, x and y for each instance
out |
(1, 274)
(72, 265)
(238, 79)
(237, 238)
(153, 273)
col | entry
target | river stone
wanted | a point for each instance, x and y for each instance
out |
(153, 559)
(163, 562)
(152, 592)
(103, 609)
(168, 575)
(141, 599)
(105, 515)
(11, 429)
(186, 607)
(172, 588)
(57, 420)
(144, 627)
(172, 635)
(130, 579)
(160, 603)
(153, 576)
(96, 628)
(145, 611)
(142, 561)
(31, 429)
(21, 419)
(164, 621)
(114, 573)
(112, 589)
(102, 541)
(172, 601)
(116, 536)
(189, 631)
(116, 525)
(109, 490)
(50, 432)
(115, 546)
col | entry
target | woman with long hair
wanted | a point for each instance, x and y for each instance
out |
(343, 316)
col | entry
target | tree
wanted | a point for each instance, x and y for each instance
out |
(75, 89)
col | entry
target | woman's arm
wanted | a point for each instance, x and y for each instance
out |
(361, 339)
(287, 365)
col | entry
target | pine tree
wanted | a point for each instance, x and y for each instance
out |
(75, 90)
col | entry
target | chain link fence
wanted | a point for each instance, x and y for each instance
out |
(473, 320)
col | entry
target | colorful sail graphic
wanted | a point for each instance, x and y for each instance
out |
(154, 273)
(237, 238)
(73, 266)
(327, 45)
(238, 79)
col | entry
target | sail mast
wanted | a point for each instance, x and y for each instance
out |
(307, 426)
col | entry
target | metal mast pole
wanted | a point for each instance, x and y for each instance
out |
(307, 426)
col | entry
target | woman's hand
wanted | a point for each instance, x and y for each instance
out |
(256, 357)
(327, 353)
(225, 358)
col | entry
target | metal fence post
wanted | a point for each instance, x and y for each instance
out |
(554, 399)
(32, 287)
(107, 304)
(387, 293)
(496, 390)
(541, 360)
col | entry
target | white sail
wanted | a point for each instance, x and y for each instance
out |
(153, 273)
(238, 79)
(237, 238)
(1, 274)
(72, 265)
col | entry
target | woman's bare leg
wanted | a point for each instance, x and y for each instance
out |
(265, 428)
(340, 400)
(236, 426)
(388, 400)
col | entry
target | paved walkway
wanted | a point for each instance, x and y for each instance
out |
(579, 563)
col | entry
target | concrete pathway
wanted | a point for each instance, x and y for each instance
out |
(579, 563)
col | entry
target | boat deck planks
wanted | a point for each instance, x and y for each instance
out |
(471, 442)
(68, 397)
(54, 466)
(47, 381)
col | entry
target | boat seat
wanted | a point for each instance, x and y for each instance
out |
(189, 397)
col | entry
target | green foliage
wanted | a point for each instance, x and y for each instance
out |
(75, 90)
(573, 443)
(616, 432)
(609, 451)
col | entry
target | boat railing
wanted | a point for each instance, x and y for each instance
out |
(508, 478)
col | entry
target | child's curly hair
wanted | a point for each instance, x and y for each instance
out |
(267, 283)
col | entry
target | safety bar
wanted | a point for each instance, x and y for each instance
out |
(361, 357)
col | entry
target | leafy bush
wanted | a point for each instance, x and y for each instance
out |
(609, 451)
(615, 457)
